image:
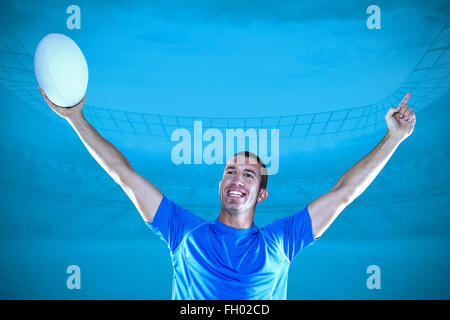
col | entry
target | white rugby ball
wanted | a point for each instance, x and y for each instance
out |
(61, 70)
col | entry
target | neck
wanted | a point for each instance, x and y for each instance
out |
(238, 220)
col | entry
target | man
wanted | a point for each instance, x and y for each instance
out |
(230, 257)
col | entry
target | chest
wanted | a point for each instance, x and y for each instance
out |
(231, 255)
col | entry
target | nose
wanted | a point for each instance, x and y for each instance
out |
(238, 180)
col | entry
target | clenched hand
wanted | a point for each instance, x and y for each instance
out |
(401, 119)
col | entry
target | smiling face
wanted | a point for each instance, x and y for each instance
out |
(240, 188)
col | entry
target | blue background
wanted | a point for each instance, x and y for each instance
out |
(314, 71)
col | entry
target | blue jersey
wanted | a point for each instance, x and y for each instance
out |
(212, 260)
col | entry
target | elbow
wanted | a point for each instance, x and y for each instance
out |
(346, 195)
(348, 198)
(347, 192)
(121, 174)
(117, 177)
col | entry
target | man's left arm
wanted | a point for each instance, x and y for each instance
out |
(324, 210)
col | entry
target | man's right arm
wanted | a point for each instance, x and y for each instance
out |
(144, 195)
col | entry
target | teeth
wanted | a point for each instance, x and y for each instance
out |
(235, 194)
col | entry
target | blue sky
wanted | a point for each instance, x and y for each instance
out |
(237, 58)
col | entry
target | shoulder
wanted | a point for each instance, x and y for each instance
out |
(197, 233)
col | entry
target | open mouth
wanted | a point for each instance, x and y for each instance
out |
(235, 194)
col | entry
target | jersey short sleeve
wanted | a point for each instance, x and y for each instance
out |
(292, 233)
(172, 222)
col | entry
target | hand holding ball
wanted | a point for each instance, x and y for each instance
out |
(61, 70)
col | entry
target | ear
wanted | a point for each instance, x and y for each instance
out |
(220, 185)
(263, 194)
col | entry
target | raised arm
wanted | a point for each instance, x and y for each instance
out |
(323, 210)
(144, 195)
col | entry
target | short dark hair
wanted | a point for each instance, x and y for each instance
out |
(263, 171)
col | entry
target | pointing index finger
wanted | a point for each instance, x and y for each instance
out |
(406, 98)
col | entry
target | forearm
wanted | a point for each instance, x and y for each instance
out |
(324, 209)
(105, 153)
(361, 174)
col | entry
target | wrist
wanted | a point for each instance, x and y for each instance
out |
(72, 118)
(394, 136)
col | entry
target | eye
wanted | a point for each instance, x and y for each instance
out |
(248, 175)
